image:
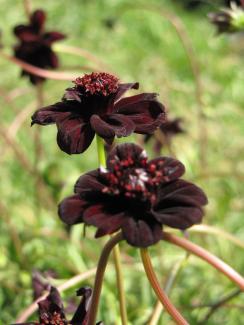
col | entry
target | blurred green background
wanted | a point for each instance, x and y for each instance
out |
(149, 42)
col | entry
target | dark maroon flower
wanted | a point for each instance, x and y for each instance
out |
(51, 310)
(35, 45)
(40, 284)
(167, 130)
(135, 195)
(94, 105)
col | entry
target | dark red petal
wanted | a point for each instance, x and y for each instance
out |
(106, 222)
(102, 128)
(179, 204)
(25, 33)
(81, 314)
(51, 114)
(53, 61)
(89, 182)
(51, 304)
(71, 209)
(125, 151)
(141, 234)
(51, 37)
(74, 135)
(38, 19)
(180, 217)
(123, 88)
(144, 110)
(171, 168)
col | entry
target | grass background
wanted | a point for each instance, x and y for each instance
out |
(141, 45)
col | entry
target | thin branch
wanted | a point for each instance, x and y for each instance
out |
(206, 256)
(66, 285)
(27, 7)
(219, 303)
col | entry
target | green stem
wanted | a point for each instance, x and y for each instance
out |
(116, 250)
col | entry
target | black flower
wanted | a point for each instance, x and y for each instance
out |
(135, 195)
(167, 130)
(35, 45)
(94, 105)
(51, 310)
(228, 20)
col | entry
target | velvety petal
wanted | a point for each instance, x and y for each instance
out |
(50, 305)
(125, 151)
(51, 37)
(81, 313)
(71, 209)
(51, 114)
(180, 204)
(25, 33)
(102, 128)
(123, 88)
(171, 168)
(74, 135)
(89, 182)
(139, 233)
(105, 221)
(144, 110)
(38, 19)
(53, 61)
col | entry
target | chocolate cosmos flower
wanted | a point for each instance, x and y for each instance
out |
(135, 195)
(35, 45)
(51, 310)
(94, 105)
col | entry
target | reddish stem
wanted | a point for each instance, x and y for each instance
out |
(208, 257)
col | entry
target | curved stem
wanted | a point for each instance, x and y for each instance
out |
(27, 7)
(179, 319)
(116, 251)
(102, 263)
(206, 256)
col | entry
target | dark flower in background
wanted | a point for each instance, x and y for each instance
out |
(51, 310)
(135, 195)
(166, 131)
(94, 105)
(228, 20)
(35, 45)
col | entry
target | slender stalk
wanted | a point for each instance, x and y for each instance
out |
(174, 313)
(27, 7)
(206, 256)
(116, 251)
(102, 263)
(64, 286)
(178, 266)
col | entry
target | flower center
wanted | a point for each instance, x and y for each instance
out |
(53, 319)
(137, 180)
(97, 83)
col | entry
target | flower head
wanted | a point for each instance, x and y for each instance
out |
(35, 44)
(228, 20)
(168, 129)
(94, 105)
(135, 195)
(51, 310)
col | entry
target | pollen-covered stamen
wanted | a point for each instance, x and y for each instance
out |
(53, 319)
(97, 83)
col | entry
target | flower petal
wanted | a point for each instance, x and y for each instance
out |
(81, 313)
(171, 168)
(140, 233)
(123, 88)
(38, 19)
(51, 114)
(74, 135)
(102, 128)
(89, 182)
(25, 33)
(180, 204)
(144, 110)
(71, 209)
(51, 37)
(125, 151)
